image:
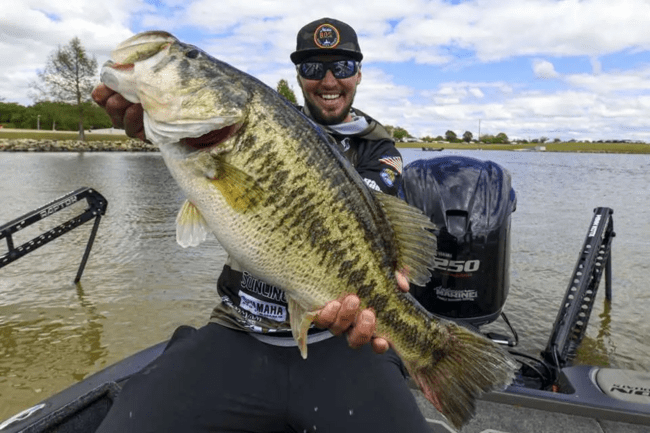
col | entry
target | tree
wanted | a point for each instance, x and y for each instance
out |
(451, 136)
(69, 77)
(467, 136)
(502, 138)
(285, 90)
(10, 113)
(399, 133)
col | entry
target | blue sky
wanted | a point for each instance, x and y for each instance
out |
(564, 69)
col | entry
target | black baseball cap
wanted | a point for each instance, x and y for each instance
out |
(326, 36)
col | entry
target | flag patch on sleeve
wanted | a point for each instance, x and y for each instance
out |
(393, 161)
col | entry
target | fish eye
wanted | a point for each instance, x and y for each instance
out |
(192, 54)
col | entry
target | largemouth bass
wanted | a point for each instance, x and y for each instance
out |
(286, 205)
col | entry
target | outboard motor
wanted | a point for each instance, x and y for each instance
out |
(470, 201)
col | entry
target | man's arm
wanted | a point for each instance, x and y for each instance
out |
(340, 316)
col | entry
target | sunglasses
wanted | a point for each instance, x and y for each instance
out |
(317, 70)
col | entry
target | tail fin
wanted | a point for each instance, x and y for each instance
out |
(466, 366)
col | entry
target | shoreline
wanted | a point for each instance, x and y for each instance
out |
(33, 145)
(101, 143)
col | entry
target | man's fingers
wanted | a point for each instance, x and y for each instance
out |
(346, 315)
(101, 93)
(343, 316)
(327, 315)
(380, 345)
(361, 332)
(133, 121)
(338, 315)
(115, 107)
(402, 281)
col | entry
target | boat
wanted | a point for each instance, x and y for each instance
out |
(549, 393)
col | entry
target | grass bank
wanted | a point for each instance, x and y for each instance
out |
(636, 148)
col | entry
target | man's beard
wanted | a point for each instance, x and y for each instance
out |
(317, 114)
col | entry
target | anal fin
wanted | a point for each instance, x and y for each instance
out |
(300, 320)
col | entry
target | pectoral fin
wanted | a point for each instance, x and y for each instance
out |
(300, 320)
(191, 228)
(240, 190)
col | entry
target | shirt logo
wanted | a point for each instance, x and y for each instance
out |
(393, 161)
(388, 176)
(268, 310)
(371, 184)
(326, 36)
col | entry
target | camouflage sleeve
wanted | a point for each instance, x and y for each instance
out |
(380, 165)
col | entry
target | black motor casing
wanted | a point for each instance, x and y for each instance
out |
(471, 202)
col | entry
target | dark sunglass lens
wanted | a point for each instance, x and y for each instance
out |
(344, 68)
(317, 70)
(312, 70)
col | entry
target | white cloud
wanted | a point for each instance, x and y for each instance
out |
(544, 69)
(434, 35)
(620, 81)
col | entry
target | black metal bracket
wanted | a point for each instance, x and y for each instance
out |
(96, 208)
(572, 318)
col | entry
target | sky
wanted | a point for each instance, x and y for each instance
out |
(568, 69)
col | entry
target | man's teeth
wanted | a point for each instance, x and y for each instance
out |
(330, 96)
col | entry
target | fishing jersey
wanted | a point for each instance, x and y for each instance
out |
(250, 304)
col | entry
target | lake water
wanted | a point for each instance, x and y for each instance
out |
(139, 285)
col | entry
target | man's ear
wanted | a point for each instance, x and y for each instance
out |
(359, 76)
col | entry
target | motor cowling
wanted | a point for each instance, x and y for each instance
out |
(470, 201)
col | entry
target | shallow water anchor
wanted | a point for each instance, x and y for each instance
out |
(96, 208)
(573, 317)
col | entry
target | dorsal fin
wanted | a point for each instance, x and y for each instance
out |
(415, 240)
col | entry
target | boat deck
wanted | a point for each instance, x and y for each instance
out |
(498, 417)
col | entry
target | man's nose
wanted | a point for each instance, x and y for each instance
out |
(329, 78)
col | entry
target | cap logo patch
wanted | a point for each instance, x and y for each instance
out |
(326, 36)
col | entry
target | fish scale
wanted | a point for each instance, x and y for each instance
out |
(291, 210)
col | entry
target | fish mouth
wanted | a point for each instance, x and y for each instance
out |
(118, 73)
(212, 139)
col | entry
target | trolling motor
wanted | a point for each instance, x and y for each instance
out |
(470, 202)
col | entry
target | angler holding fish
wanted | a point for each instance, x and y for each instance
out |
(314, 235)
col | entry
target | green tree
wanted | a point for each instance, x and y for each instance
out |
(285, 90)
(400, 133)
(64, 117)
(69, 77)
(467, 136)
(9, 112)
(451, 136)
(502, 138)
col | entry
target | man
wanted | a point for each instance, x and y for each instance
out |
(243, 371)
